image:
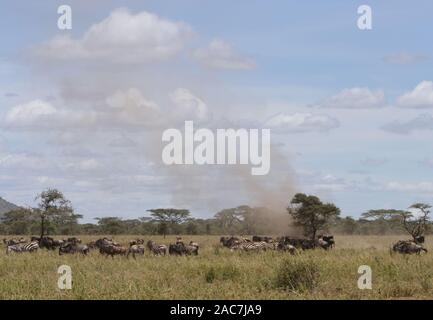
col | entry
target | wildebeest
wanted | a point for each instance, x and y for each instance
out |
(10, 242)
(326, 241)
(112, 250)
(181, 249)
(49, 242)
(74, 240)
(287, 247)
(298, 243)
(157, 249)
(262, 238)
(135, 249)
(230, 241)
(408, 247)
(136, 241)
(23, 247)
(72, 247)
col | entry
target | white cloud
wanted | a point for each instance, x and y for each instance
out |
(422, 122)
(30, 112)
(122, 37)
(188, 105)
(404, 58)
(420, 97)
(83, 165)
(355, 98)
(301, 122)
(221, 55)
(418, 187)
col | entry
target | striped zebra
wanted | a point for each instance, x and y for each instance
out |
(157, 249)
(246, 246)
(23, 247)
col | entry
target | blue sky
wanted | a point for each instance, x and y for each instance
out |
(351, 109)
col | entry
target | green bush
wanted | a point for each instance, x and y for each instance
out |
(297, 275)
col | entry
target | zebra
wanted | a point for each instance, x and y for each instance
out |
(157, 249)
(23, 247)
(135, 249)
(246, 246)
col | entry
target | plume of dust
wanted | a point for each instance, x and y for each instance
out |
(207, 189)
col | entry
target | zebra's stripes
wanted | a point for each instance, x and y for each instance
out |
(23, 247)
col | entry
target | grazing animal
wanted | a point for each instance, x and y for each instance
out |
(135, 249)
(304, 244)
(10, 242)
(246, 246)
(72, 248)
(264, 238)
(74, 240)
(191, 249)
(408, 247)
(181, 249)
(157, 249)
(230, 241)
(49, 243)
(136, 241)
(23, 247)
(419, 239)
(112, 250)
(326, 241)
(103, 242)
(287, 247)
(92, 245)
(176, 249)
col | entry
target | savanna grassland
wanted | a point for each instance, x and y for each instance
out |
(218, 273)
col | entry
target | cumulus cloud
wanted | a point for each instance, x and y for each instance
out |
(355, 98)
(220, 55)
(403, 58)
(422, 122)
(420, 97)
(123, 37)
(189, 106)
(301, 122)
(27, 113)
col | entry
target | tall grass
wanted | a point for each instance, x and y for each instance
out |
(218, 273)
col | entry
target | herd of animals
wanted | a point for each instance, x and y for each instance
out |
(108, 247)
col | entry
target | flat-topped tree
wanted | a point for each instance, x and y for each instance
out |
(413, 225)
(311, 213)
(168, 218)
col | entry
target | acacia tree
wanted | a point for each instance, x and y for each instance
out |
(311, 214)
(54, 207)
(414, 225)
(168, 218)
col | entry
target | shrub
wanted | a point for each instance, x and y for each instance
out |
(297, 275)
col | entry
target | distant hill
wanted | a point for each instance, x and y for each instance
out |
(6, 206)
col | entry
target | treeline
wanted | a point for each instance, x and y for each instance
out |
(306, 215)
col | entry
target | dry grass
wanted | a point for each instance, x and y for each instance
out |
(218, 273)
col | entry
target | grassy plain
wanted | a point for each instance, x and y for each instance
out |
(218, 273)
